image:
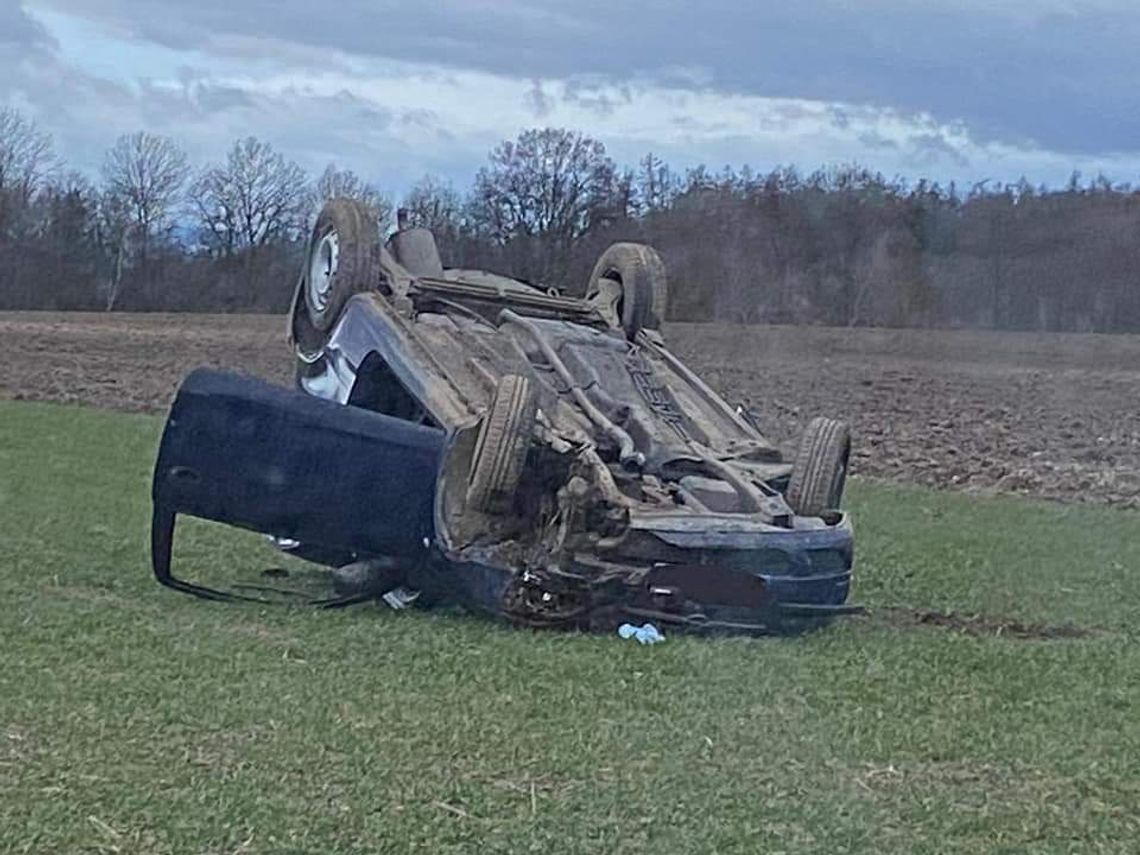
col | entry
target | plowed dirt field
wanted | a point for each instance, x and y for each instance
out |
(1056, 416)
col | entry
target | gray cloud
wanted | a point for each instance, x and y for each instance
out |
(537, 101)
(23, 40)
(85, 113)
(350, 93)
(874, 139)
(594, 96)
(929, 148)
(1020, 71)
(18, 29)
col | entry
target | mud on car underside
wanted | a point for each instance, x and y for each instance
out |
(468, 438)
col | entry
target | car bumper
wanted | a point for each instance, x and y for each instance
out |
(810, 564)
(696, 574)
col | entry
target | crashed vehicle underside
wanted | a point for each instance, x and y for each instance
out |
(459, 437)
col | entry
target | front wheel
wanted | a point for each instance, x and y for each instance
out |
(502, 445)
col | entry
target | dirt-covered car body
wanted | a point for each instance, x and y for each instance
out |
(582, 474)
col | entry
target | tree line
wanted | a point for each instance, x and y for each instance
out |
(843, 245)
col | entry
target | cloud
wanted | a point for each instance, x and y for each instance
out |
(23, 42)
(18, 29)
(537, 101)
(596, 95)
(907, 87)
(930, 147)
(1060, 74)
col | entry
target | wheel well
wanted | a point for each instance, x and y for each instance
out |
(377, 388)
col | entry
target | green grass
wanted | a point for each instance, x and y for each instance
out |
(134, 719)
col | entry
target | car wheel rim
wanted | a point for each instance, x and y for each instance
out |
(322, 270)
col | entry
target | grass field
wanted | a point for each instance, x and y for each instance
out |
(133, 719)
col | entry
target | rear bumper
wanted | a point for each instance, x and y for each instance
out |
(810, 564)
(716, 576)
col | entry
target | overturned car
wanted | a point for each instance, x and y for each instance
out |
(460, 437)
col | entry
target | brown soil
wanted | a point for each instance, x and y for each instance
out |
(1049, 415)
(132, 362)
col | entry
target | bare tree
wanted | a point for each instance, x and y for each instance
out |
(345, 184)
(25, 154)
(256, 198)
(657, 186)
(434, 204)
(25, 161)
(841, 246)
(540, 194)
(117, 236)
(549, 183)
(145, 173)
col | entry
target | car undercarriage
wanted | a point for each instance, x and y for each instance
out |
(471, 439)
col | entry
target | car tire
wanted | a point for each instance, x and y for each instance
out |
(641, 273)
(819, 473)
(343, 259)
(306, 339)
(502, 445)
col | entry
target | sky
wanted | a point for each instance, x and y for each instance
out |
(964, 90)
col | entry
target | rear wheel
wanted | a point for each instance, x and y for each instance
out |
(638, 269)
(343, 259)
(820, 470)
(502, 445)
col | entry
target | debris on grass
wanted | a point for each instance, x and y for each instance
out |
(644, 634)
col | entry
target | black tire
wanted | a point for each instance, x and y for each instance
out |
(502, 445)
(645, 291)
(820, 470)
(305, 338)
(357, 259)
